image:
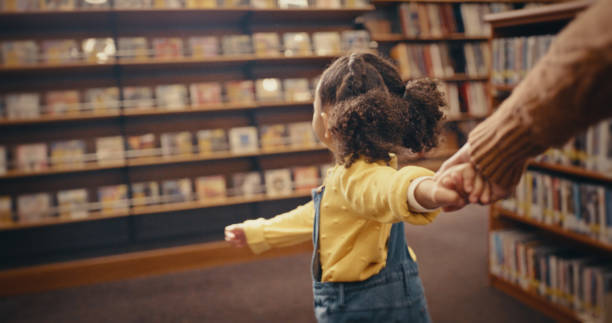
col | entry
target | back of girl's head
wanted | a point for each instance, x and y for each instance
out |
(373, 112)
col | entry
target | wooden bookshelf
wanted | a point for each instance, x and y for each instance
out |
(91, 216)
(61, 118)
(572, 171)
(392, 38)
(55, 170)
(216, 108)
(383, 2)
(547, 14)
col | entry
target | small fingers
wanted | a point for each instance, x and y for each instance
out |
(477, 189)
(468, 179)
(485, 197)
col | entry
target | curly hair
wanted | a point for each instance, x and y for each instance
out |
(373, 112)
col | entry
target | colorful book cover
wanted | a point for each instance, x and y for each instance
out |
(201, 4)
(21, 52)
(235, 3)
(169, 4)
(113, 198)
(33, 207)
(20, 5)
(301, 135)
(6, 209)
(332, 4)
(31, 157)
(175, 191)
(22, 106)
(98, 4)
(168, 47)
(211, 187)
(110, 149)
(355, 40)
(212, 140)
(278, 182)
(138, 97)
(273, 136)
(133, 4)
(292, 4)
(297, 44)
(205, 93)
(268, 89)
(171, 97)
(266, 44)
(240, 91)
(243, 139)
(305, 178)
(60, 51)
(327, 43)
(237, 45)
(297, 90)
(102, 99)
(133, 48)
(62, 102)
(58, 5)
(176, 143)
(73, 203)
(201, 47)
(263, 4)
(141, 145)
(69, 153)
(3, 162)
(99, 50)
(145, 193)
(247, 184)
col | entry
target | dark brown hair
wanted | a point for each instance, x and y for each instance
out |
(373, 112)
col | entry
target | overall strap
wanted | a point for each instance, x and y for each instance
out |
(316, 272)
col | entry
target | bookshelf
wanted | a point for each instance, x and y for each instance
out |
(548, 224)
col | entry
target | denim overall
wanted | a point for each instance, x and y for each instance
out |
(395, 294)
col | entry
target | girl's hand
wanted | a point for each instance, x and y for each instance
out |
(234, 234)
(432, 194)
(466, 181)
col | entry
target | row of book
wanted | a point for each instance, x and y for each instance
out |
(514, 57)
(569, 278)
(16, 106)
(579, 207)
(76, 203)
(114, 149)
(466, 98)
(591, 150)
(442, 60)
(69, 5)
(102, 50)
(443, 19)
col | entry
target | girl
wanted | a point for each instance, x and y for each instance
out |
(362, 269)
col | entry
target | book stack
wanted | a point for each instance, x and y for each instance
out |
(513, 57)
(466, 98)
(569, 278)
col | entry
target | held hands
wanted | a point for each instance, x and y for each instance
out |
(234, 234)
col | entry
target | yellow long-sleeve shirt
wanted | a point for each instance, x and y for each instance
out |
(358, 207)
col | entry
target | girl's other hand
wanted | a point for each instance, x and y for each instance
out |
(234, 234)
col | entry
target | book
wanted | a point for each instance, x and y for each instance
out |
(69, 153)
(58, 5)
(301, 135)
(278, 182)
(205, 93)
(168, 47)
(210, 187)
(171, 97)
(263, 4)
(20, 5)
(268, 89)
(3, 161)
(266, 44)
(201, 4)
(137, 97)
(243, 139)
(97, 4)
(101, 99)
(31, 157)
(176, 143)
(22, 106)
(141, 145)
(6, 209)
(305, 178)
(109, 150)
(133, 48)
(20, 52)
(73, 203)
(356, 40)
(292, 4)
(62, 102)
(297, 90)
(212, 140)
(241, 92)
(273, 136)
(145, 193)
(235, 3)
(297, 44)
(113, 198)
(169, 4)
(331, 4)
(178, 190)
(204, 46)
(356, 3)
(99, 50)
(133, 4)
(237, 45)
(60, 51)
(33, 207)
(327, 43)
(247, 184)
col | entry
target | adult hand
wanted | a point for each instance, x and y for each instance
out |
(461, 156)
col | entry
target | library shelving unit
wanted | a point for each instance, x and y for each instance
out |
(531, 22)
(66, 246)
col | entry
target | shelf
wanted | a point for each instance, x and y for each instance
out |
(581, 238)
(454, 78)
(571, 170)
(546, 14)
(61, 118)
(52, 67)
(52, 170)
(503, 88)
(558, 313)
(274, 15)
(92, 216)
(391, 38)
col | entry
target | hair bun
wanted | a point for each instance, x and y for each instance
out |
(419, 89)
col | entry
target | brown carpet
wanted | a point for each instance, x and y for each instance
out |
(452, 257)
